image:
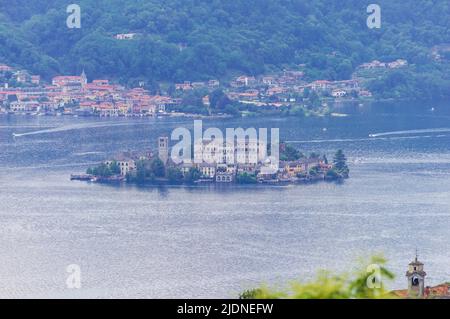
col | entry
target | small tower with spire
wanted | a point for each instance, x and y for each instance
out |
(83, 78)
(416, 278)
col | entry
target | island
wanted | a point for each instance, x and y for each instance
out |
(158, 168)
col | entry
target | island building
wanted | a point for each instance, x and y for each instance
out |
(163, 149)
(223, 162)
(127, 160)
(242, 151)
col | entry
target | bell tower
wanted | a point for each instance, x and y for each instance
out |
(163, 149)
(83, 79)
(416, 278)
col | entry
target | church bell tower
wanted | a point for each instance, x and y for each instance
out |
(416, 279)
(163, 149)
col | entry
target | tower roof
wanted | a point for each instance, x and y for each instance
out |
(417, 272)
(416, 261)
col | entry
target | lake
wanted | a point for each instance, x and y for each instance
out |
(210, 241)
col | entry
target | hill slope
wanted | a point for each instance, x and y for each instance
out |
(200, 39)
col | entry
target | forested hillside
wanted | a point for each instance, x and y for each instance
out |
(201, 39)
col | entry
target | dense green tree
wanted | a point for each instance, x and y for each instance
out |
(289, 153)
(314, 171)
(102, 170)
(340, 163)
(158, 168)
(115, 168)
(246, 178)
(192, 175)
(219, 100)
(141, 172)
(174, 175)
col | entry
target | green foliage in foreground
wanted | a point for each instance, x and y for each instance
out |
(331, 286)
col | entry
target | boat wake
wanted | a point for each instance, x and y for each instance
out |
(372, 137)
(409, 132)
(88, 153)
(76, 127)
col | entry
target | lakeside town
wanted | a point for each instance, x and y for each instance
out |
(245, 162)
(286, 92)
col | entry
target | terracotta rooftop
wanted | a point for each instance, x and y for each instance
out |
(441, 291)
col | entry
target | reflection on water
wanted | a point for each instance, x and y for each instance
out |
(210, 241)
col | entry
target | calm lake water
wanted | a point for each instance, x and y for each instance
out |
(217, 241)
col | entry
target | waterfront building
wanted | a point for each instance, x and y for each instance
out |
(224, 177)
(126, 165)
(292, 168)
(207, 170)
(338, 93)
(185, 167)
(24, 106)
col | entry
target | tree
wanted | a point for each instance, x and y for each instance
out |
(174, 175)
(298, 111)
(246, 178)
(219, 100)
(358, 285)
(340, 164)
(157, 168)
(114, 167)
(331, 174)
(102, 170)
(290, 153)
(314, 171)
(192, 175)
(141, 172)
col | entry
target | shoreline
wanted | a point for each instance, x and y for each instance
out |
(332, 112)
(121, 180)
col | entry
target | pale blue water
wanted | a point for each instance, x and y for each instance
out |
(217, 241)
